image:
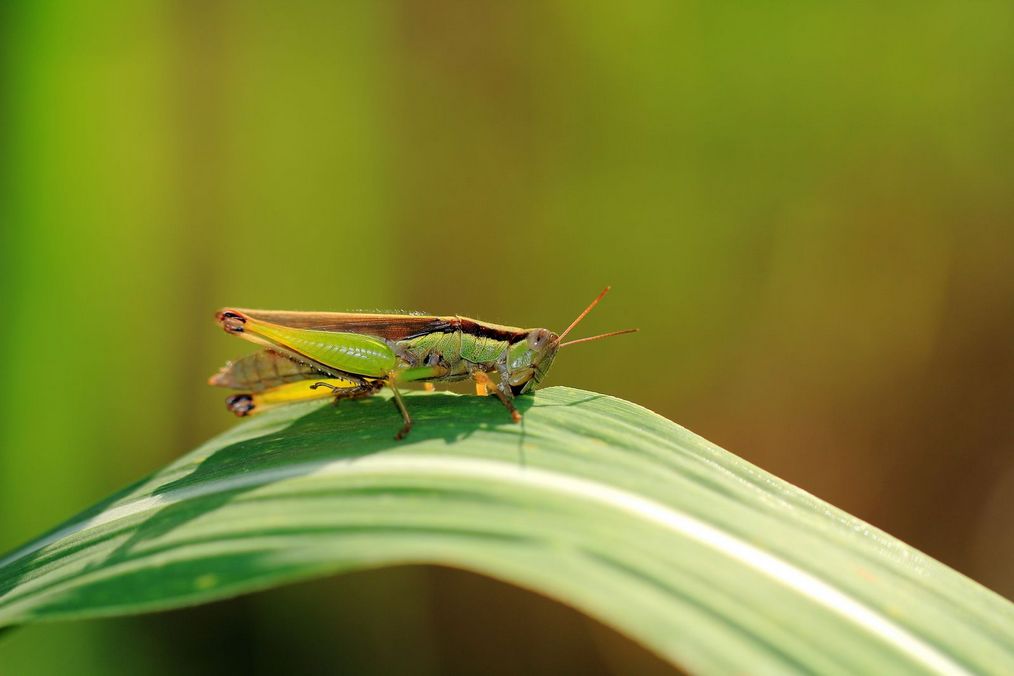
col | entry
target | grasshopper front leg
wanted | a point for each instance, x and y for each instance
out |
(506, 397)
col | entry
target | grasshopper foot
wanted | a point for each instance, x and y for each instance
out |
(403, 432)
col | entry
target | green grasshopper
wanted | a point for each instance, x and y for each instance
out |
(347, 355)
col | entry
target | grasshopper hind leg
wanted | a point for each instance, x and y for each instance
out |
(240, 404)
(358, 392)
(365, 390)
(247, 403)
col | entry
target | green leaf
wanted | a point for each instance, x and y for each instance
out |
(603, 505)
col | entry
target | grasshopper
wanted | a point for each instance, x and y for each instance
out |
(347, 355)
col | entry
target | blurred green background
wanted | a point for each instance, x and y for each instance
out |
(808, 210)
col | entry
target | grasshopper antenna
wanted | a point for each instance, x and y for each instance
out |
(598, 337)
(582, 316)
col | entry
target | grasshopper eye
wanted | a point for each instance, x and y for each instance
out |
(539, 338)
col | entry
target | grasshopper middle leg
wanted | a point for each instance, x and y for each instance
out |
(406, 418)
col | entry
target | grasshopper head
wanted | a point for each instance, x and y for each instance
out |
(529, 360)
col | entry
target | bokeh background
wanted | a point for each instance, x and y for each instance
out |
(808, 208)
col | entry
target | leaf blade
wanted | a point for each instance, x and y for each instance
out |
(599, 503)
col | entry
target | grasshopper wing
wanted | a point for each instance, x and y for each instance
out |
(392, 327)
(263, 370)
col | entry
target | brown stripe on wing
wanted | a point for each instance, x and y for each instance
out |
(387, 326)
(474, 327)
